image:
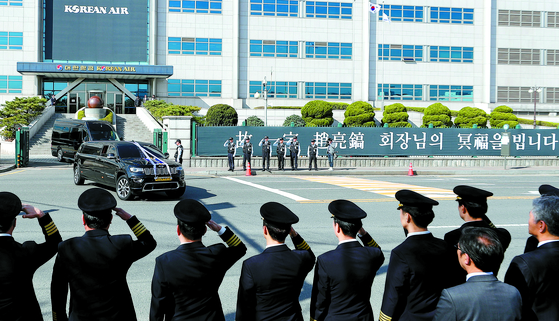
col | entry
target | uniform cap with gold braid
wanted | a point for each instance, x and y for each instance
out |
(548, 190)
(278, 215)
(411, 198)
(472, 194)
(97, 202)
(10, 206)
(346, 211)
(192, 211)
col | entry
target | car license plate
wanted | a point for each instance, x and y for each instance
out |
(163, 179)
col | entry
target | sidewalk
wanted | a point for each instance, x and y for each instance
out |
(7, 164)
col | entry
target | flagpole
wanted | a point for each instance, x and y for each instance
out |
(382, 62)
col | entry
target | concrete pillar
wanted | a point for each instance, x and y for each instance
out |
(179, 127)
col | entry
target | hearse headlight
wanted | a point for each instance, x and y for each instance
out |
(136, 170)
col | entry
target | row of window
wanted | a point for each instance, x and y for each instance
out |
(18, 3)
(415, 92)
(523, 95)
(194, 88)
(436, 53)
(11, 40)
(11, 84)
(527, 18)
(276, 89)
(435, 14)
(194, 46)
(195, 6)
(517, 56)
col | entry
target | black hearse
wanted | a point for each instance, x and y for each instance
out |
(69, 134)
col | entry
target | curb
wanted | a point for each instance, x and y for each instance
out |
(7, 168)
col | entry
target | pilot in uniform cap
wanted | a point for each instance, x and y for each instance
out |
(97, 202)
(471, 194)
(278, 215)
(414, 199)
(10, 206)
(346, 211)
(546, 190)
(192, 212)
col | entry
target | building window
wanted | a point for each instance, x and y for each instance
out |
(514, 94)
(195, 6)
(552, 95)
(332, 10)
(553, 19)
(276, 89)
(11, 40)
(330, 50)
(18, 3)
(515, 56)
(520, 18)
(400, 91)
(193, 88)
(399, 52)
(10, 84)
(280, 8)
(452, 15)
(451, 93)
(273, 48)
(194, 46)
(402, 13)
(330, 90)
(451, 54)
(553, 57)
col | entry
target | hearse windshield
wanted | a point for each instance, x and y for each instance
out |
(100, 131)
(132, 151)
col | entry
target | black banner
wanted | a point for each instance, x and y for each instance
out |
(376, 141)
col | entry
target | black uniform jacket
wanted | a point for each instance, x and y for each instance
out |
(271, 283)
(419, 269)
(536, 276)
(343, 279)
(186, 280)
(94, 266)
(18, 263)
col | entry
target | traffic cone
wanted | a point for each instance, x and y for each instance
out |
(248, 173)
(410, 171)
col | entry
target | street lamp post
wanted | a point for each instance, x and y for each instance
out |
(535, 90)
(265, 93)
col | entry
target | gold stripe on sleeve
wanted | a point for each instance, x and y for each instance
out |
(234, 241)
(373, 243)
(303, 246)
(51, 228)
(139, 229)
(384, 317)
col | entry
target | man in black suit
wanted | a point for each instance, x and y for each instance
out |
(271, 282)
(186, 280)
(472, 208)
(344, 276)
(421, 267)
(18, 262)
(532, 241)
(536, 274)
(95, 265)
(482, 297)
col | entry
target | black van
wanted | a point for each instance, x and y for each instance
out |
(69, 134)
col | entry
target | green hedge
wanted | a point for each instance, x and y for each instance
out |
(396, 115)
(437, 114)
(20, 112)
(468, 116)
(222, 115)
(279, 107)
(317, 112)
(358, 114)
(502, 115)
(254, 121)
(296, 119)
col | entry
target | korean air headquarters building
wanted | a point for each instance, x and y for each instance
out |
(481, 53)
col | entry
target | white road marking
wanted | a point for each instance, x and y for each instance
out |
(272, 190)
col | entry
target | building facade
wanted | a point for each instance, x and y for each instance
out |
(480, 53)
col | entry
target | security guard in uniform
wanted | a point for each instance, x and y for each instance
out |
(94, 266)
(20, 261)
(271, 282)
(281, 151)
(472, 207)
(179, 151)
(266, 153)
(421, 267)
(294, 150)
(344, 276)
(312, 153)
(186, 280)
(247, 153)
(231, 151)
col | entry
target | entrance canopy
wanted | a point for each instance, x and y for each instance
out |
(94, 70)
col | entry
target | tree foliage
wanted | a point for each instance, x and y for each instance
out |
(160, 108)
(359, 114)
(20, 112)
(317, 112)
(296, 120)
(222, 115)
(396, 115)
(502, 115)
(254, 121)
(468, 116)
(437, 114)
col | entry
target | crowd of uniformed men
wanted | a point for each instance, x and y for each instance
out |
(427, 278)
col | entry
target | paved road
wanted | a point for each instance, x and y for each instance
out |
(235, 201)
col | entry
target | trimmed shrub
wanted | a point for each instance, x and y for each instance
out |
(296, 119)
(358, 114)
(502, 115)
(468, 116)
(437, 114)
(222, 115)
(339, 106)
(254, 121)
(395, 115)
(20, 112)
(317, 112)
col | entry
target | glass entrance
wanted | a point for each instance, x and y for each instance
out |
(115, 102)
